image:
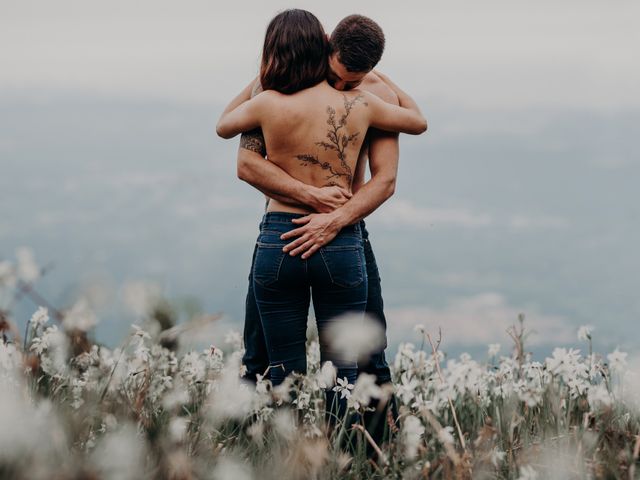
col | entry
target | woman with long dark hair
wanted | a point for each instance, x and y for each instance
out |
(314, 133)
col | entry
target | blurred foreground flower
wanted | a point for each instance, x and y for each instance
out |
(355, 336)
(584, 332)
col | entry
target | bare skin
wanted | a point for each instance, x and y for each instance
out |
(315, 135)
(317, 230)
(381, 147)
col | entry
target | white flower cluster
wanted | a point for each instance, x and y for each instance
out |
(200, 394)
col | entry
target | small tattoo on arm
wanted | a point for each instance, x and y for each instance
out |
(254, 141)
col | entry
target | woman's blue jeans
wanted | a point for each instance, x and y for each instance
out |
(335, 278)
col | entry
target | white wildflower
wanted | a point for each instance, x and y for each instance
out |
(284, 424)
(465, 357)
(142, 353)
(282, 392)
(578, 385)
(192, 368)
(262, 384)
(527, 473)
(52, 347)
(530, 396)
(28, 270)
(419, 328)
(176, 397)
(28, 428)
(178, 429)
(494, 349)
(7, 274)
(617, 360)
(10, 363)
(598, 397)
(313, 355)
(343, 387)
(326, 376)
(231, 398)
(584, 332)
(445, 435)
(256, 432)
(355, 336)
(364, 391)
(412, 431)
(127, 447)
(422, 402)
(229, 469)
(77, 386)
(497, 457)
(80, 317)
(140, 297)
(40, 317)
(234, 339)
(567, 364)
(214, 358)
(302, 400)
(406, 388)
(139, 332)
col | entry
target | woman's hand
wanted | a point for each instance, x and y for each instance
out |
(327, 199)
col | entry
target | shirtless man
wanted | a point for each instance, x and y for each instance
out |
(357, 44)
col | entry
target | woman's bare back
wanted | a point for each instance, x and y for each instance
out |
(315, 135)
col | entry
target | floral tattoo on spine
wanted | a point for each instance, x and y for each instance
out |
(338, 140)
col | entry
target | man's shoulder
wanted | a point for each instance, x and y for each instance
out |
(372, 83)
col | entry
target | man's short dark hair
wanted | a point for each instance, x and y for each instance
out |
(359, 43)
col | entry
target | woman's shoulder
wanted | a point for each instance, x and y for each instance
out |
(268, 96)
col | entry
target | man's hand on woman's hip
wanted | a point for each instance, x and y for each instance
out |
(317, 230)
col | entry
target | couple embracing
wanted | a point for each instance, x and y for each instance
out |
(317, 112)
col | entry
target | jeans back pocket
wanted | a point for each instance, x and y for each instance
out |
(344, 264)
(266, 268)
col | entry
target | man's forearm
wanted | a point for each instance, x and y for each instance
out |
(366, 200)
(383, 163)
(272, 180)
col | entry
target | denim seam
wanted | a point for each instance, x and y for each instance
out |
(340, 248)
(270, 245)
(324, 260)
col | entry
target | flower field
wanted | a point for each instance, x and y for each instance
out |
(74, 409)
(142, 411)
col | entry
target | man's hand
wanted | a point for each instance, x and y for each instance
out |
(317, 230)
(327, 199)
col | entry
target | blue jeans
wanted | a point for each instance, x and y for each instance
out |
(256, 358)
(284, 285)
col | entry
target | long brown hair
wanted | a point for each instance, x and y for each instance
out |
(295, 51)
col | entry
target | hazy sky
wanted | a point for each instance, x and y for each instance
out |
(521, 197)
(498, 54)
